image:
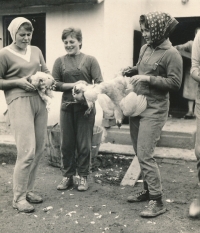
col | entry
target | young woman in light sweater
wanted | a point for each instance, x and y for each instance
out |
(194, 210)
(27, 111)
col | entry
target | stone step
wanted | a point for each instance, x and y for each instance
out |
(177, 133)
(160, 152)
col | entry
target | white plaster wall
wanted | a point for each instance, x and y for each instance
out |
(174, 7)
(88, 17)
(120, 20)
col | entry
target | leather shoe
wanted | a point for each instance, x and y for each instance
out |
(154, 208)
(23, 206)
(141, 196)
(33, 198)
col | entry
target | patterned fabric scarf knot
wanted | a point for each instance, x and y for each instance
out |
(160, 24)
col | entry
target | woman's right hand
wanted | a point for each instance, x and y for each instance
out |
(128, 71)
(23, 83)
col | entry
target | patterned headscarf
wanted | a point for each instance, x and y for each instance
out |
(160, 24)
(15, 25)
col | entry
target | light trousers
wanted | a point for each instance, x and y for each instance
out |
(28, 119)
(145, 133)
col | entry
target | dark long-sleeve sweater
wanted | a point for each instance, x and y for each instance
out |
(90, 70)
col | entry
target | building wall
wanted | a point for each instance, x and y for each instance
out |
(107, 31)
(88, 17)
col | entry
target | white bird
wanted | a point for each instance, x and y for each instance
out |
(115, 90)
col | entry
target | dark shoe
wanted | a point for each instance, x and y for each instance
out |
(153, 209)
(23, 206)
(65, 183)
(142, 196)
(33, 198)
(83, 184)
(194, 210)
(189, 116)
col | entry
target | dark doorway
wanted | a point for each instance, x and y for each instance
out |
(184, 32)
(39, 34)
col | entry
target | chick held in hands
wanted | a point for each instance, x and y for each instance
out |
(43, 82)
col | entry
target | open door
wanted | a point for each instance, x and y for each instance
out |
(39, 33)
(138, 42)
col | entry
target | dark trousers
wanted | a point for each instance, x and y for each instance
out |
(76, 140)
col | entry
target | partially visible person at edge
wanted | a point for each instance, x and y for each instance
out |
(158, 71)
(76, 128)
(27, 111)
(194, 210)
(190, 85)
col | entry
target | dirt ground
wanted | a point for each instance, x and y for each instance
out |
(103, 208)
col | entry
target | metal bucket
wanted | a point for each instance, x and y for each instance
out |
(96, 141)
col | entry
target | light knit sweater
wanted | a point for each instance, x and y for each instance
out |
(14, 66)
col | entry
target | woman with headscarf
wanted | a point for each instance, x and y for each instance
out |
(27, 111)
(158, 71)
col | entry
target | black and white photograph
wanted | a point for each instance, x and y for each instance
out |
(100, 116)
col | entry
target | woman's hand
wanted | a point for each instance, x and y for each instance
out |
(53, 86)
(139, 78)
(128, 71)
(23, 83)
(81, 81)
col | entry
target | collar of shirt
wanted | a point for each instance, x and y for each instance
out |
(165, 44)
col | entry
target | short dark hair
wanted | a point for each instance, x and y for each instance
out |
(28, 26)
(74, 33)
(143, 20)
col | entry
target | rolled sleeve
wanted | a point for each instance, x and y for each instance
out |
(57, 74)
(96, 71)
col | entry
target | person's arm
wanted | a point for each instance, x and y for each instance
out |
(186, 47)
(57, 74)
(18, 83)
(14, 83)
(173, 79)
(196, 58)
(43, 64)
(96, 71)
